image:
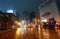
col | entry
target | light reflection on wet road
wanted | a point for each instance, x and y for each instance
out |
(51, 34)
(37, 34)
(28, 34)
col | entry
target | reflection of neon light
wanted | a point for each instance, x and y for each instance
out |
(18, 32)
(23, 28)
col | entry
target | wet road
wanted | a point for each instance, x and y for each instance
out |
(27, 34)
(51, 33)
(37, 34)
(33, 33)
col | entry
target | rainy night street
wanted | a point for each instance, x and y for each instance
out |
(32, 34)
(29, 19)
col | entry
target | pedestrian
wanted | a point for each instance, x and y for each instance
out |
(53, 22)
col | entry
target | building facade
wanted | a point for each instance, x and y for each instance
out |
(51, 6)
(11, 20)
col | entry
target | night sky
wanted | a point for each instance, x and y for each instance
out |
(20, 5)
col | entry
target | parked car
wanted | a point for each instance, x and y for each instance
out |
(50, 24)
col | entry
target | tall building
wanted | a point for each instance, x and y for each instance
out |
(51, 6)
(3, 21)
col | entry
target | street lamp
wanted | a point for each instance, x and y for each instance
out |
(18, 23)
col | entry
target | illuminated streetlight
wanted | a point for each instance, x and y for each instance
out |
(38, 20)
(18, 23)
(10, 11)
